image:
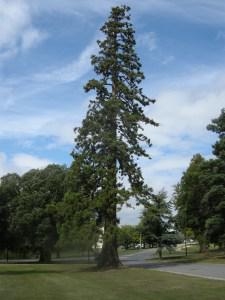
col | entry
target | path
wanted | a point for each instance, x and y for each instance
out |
(205, 270)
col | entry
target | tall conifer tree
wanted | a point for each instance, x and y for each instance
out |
(111, 139)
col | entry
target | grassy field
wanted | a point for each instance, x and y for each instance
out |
(211, 256)
(65, 282)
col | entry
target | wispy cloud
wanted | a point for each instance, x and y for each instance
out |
(184, 108)
(206, 11)
(167, 60)
(71, 72)
(148, 40)
(32, 37)
(17, 31)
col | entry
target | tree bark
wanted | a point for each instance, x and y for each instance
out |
(160, 248)
(109, 255)
(203, 245)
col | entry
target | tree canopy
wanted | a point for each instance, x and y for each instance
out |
(200, 195)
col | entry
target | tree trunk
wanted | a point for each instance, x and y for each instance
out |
(185, 242)
(58, 253)
(7, 255)
(203, 245)
(109, 255)
(45, 256)
(160, 248)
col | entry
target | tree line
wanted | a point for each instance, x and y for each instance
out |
(156, 227)
(39, 216)
(199, 197)
(44, 210)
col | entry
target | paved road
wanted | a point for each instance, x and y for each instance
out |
(138, 258)
(210, 271)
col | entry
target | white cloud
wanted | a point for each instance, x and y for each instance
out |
(3, 168)
(148, 40)
(14, 17)
(32, 37)
(206, 11)
(33, 125)
(185, 107)
(17, 31)
(21, 163)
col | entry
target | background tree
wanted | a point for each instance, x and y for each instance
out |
(188, 198)
(147, 235)
(35, 217)
(156, 221)
(128, 236)
(214, 179)
(9, 189)
(110, 138)
(200, 198)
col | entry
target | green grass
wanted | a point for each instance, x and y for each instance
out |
(65, 282)
(211, 256)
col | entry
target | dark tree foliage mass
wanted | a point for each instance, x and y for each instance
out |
(29, 211)
(156, 222)
(200, 195)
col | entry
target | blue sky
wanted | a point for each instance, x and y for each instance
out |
(45, 49)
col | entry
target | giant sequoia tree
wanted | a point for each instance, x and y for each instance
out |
(110, 139)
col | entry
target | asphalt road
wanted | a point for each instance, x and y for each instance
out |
(138, 258)
(204, 270)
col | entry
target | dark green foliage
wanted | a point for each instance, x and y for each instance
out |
(9, 189)
(214, 199)
(110, 138)
(34, 218)
(188, 200)
(156, 222)
(218, 126)
(200, 195)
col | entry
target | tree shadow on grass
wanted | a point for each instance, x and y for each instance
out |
(29, 272)
(35, 271)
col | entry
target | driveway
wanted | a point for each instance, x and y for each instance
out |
(204, 270)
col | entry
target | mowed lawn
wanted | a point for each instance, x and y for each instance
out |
(62, 282)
